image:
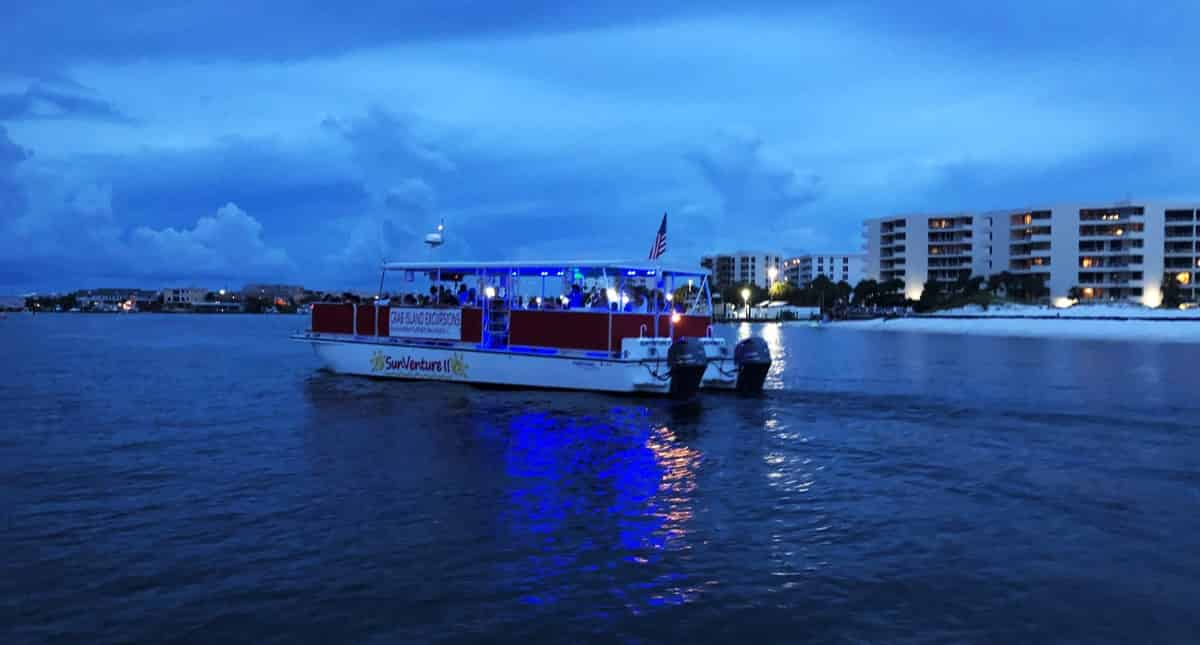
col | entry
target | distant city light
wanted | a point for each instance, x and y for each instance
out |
(490, 292)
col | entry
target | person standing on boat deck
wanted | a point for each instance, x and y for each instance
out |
(462, 295)
(575, 300)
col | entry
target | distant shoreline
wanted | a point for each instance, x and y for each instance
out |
(1154, 330)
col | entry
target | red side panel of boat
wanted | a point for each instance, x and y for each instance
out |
(336, 318)
(329, 318)
(588, 330)
(368, 315)
(563, 329)
(472, 325)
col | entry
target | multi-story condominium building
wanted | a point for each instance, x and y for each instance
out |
(754, 267)
(1088, 252)
(838, 267)
(916, 248)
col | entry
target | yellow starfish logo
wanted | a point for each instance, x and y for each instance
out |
(458, 365)
(378, 361)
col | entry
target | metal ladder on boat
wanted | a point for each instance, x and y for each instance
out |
(496, 321)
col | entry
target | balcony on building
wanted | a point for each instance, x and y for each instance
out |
(959, 223)
(1175, 231)
(1110, 261)
(1029, 218)
(1034, 264)
(1175, 216)
(1111, 230)
(1029, 249)
(1098, 293)
(1111, 278)
(1111, 247)
(1028, 233)
(1115, 215)
(949, 275)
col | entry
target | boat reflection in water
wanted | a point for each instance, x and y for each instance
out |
(597, 500)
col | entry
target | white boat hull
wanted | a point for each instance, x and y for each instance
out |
(384, 359)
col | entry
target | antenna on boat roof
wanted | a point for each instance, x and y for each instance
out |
(435, 240)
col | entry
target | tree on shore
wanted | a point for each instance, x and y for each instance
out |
(1172, 296)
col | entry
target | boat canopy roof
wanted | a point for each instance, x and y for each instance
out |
(550, 267)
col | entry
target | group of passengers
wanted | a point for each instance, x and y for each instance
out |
(638, 300)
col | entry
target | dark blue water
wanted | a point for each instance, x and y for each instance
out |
(197, 479)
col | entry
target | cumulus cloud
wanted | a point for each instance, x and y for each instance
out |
(384, 140)
(410, 194)
(751, 183)
(228, 244)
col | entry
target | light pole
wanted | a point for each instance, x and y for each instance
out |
(746, 301)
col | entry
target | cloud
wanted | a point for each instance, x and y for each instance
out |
(384, 140)
(12, 195)
(410, 194)
(39, 102)
(227, 245)
(50, 34)
(754, 188)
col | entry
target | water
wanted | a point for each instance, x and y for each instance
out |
(198, 479)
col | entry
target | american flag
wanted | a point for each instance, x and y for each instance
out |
(660, 241)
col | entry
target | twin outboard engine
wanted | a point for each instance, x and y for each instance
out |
(687, 361)
(752, 359)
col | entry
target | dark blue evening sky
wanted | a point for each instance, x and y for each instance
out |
(162, 143)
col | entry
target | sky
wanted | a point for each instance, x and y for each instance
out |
(163, 143)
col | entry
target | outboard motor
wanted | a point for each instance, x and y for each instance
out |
(687, 361)
(752, 359)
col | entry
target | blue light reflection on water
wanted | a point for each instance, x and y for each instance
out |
(617, 470)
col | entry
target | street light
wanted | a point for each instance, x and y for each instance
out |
(773, 273)
(746, 301)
